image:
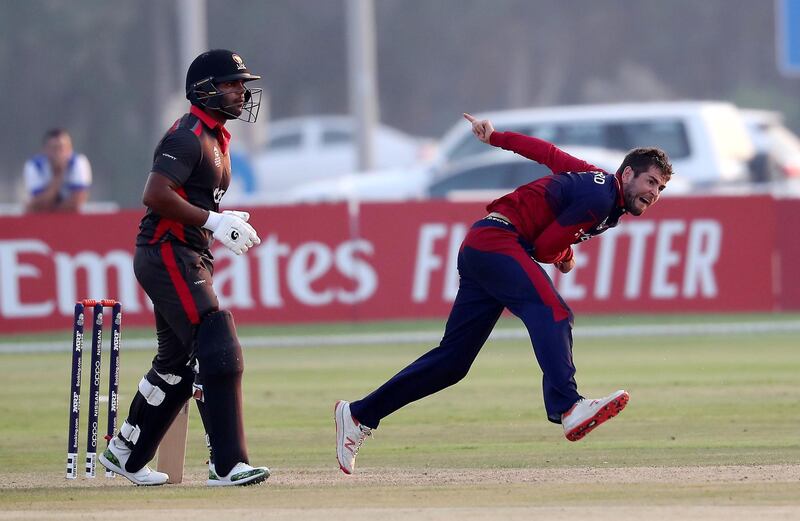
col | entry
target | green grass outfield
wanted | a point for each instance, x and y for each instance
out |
(506, 322)
(701, 408)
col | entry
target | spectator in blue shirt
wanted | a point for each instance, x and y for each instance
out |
(58, 179)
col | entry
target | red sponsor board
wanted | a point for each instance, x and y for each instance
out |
(323, 263)
(787, 253)
(689, 254)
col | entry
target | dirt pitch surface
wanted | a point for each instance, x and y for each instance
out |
(725, 493)
(605, 513)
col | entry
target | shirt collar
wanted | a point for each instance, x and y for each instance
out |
(223, 136)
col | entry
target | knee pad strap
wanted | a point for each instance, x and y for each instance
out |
(171, 379)
(129, 433)
(152, 393)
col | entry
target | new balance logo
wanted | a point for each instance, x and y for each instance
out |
(350, 444)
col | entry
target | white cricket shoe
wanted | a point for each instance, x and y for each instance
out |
(349, 436)
(587, 414)
(241, 474)
(115, 457)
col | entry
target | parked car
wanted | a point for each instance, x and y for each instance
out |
(301, 150)
(707, 142)
(396, 184)
(491, 175)
(479, 177)
(777, 155)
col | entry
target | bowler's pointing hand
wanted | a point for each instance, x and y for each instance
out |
(481, 128)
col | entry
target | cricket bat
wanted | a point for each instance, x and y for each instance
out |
(172, 451)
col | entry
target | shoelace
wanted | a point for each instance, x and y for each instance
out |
(590, 403)
(365, 431)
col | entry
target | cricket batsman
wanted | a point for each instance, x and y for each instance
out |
(198, 351)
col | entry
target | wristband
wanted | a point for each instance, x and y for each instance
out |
(212, 223)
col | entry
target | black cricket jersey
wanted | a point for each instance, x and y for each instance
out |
(194, 154)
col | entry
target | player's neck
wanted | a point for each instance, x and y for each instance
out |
(217, 116)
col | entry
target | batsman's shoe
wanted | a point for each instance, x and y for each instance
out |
(114, 458)
(587, 414)
(349, 436)
(240, 475)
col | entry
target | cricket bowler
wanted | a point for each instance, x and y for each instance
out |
(498, 268)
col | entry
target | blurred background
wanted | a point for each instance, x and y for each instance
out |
(363, 103)
(112, 72)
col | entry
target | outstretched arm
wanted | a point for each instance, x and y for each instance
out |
(532, 148)
(542, 152)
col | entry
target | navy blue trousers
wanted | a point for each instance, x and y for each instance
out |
(496, 272)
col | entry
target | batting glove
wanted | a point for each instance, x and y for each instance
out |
(245, 216)
(231, 229)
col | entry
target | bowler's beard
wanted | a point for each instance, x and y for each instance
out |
(630, 202)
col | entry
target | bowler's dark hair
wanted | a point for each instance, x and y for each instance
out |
(54, 132)
(641, 159)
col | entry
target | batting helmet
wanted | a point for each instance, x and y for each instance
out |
(214, 67)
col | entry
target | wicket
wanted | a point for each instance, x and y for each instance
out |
(94, 384)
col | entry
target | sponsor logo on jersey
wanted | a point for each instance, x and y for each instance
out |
(602, 226)
(217, 158)
(581, 235)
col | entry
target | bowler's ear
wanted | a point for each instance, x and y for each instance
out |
(627, 174)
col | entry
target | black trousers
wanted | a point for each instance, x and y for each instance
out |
(178, 281)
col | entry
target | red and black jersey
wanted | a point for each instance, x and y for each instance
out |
(554, 212)
(194, 154)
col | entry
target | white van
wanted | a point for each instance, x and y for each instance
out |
(707, 141)
(481, 177)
